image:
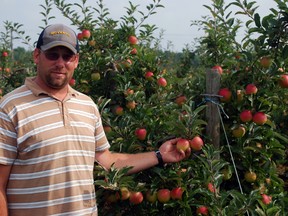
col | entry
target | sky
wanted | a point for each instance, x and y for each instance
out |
(174, 19)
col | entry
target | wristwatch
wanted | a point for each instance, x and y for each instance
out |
(160, 159)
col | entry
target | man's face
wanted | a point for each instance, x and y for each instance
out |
(55, 66)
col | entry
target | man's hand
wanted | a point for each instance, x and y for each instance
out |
(171, 154)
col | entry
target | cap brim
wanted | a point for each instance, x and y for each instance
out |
(58, 43)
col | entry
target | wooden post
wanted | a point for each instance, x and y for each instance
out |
(212, 114)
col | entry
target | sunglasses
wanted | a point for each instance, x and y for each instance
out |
(53, 56)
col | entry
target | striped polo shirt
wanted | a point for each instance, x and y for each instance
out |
(51, 146)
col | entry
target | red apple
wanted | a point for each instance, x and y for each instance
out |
(134, 51)
(251, 89)
(5, 54)
(176, 193)
(246, 116)
(128, 92)
(196, 143)
(119, 110)
(107, 128)
(266, 199)
(259, 118)
(132, 39)
(151, 196)
(202, 210)
(265, 62)
(182, 144)
(226, 94)
(218, 68)
(162, 82)
(125, 193)
(80, 36)
(72, 82)
(211, 187)
(131, 105)
(136, 197)
(86, 33)
(149, 75)
(180, 100)
(141, 133)
(283, 81)
(163, 195)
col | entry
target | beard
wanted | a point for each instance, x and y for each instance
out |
(56, 81)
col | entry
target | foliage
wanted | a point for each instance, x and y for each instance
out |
(112, 71)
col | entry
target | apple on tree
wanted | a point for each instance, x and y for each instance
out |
(226, 94)
(131, 105)
(246, 116)
(250, 176)
(239, 131)
(163, 195)
(149, 75)
(151, 196)
(180, 100)
(162, 82)
(196, 143)
(132, 39)
(119, 110)
(251, 89)
(259, 118)
(266, 199)
(72, 82)
(176, 193)
(5, 54)
(125, 193)
(95, 76)
(136, 197)
(202, 210)
(80, 36)
(141, 133)
(134, 51)
(218, 68)
(265, 62)
(283, 81)
(86, 33)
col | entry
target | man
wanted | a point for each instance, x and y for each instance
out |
(51, 135)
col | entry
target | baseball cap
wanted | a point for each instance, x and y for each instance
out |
(58, 35)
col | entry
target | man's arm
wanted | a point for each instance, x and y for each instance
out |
(4, 176)
(141, 161)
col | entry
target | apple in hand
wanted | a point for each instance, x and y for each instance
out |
(182, 144)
